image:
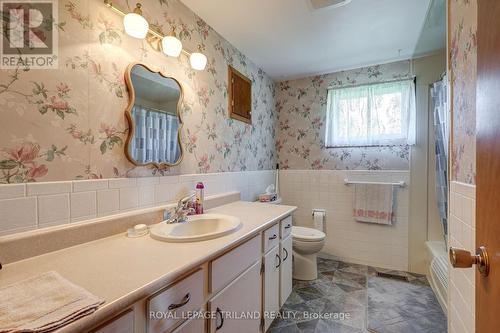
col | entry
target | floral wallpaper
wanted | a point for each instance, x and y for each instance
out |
(301, 106)
(463, 63)
(69, 123)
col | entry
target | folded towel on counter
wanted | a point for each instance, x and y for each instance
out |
(43, 303)
(374, 203)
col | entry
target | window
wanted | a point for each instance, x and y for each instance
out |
(371, 115)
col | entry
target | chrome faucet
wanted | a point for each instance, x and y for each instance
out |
(180, 213)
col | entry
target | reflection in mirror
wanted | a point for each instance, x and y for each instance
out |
(153, 118)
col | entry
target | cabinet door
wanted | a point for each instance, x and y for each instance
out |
(195, 325)
(272, 262)
(240, 96)
(241, 298)
(285, 269)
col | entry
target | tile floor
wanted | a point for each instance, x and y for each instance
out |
(373, 304)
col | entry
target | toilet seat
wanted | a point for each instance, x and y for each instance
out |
(307, 234)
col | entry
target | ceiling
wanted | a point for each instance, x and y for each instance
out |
(290, 39)
(433, 35)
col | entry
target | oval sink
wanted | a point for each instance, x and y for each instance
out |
(197, 228)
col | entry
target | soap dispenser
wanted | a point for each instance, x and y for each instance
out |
(200, 189)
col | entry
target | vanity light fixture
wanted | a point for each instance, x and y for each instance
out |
(171, 45)
(135, 24)
(138, 27)
(198, 60)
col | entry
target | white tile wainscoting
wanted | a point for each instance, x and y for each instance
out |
(346, 239)
(32, 206)
(462, 234)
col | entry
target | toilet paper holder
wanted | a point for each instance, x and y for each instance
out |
(318, 210)
(323, 220)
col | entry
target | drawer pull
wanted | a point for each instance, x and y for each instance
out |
(181, 304)
(279, 260)
(219, 312)
(288, 226)
(273, 237)
(286, 254)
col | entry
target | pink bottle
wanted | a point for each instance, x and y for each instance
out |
(200, 189)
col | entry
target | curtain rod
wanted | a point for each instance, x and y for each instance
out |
(411, 78)
(156, 110)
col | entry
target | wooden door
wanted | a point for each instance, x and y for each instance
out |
(286, 269)
(272, 261)
(234, 305)
(488, 164)
(240, 96)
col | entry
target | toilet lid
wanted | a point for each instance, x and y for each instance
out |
(307, 234)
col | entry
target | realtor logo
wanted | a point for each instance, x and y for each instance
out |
(29, 34)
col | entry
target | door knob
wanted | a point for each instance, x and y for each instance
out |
(464, 259)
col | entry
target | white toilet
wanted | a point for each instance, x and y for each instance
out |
(307, 242)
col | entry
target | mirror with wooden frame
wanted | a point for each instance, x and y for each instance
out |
(240, 96)
(153, 117)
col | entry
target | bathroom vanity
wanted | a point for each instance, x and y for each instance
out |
(278, 267)
(222, 284)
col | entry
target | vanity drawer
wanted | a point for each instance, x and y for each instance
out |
(271, 237)
(230, 265)
(165, 308)
(124, 323)
(286, 227)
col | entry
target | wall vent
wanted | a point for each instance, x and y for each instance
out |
(318, 4)
(392, 276)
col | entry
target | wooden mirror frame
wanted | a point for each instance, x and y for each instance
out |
(131, 123)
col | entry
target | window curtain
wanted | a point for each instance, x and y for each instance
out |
(155, 138)
(371, 115)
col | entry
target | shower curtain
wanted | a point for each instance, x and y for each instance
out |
(155, 137)
(439, 103)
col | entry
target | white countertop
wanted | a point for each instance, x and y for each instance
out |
(124, 270)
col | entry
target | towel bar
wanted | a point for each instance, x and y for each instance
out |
(349, 182)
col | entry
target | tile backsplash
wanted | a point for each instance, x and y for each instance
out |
(375, 245)
(37, 205)
(462, 235)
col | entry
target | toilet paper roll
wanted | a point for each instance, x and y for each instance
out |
(319, 220)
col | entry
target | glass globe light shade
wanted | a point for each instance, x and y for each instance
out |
(135, 25)
(171, 46)
(198, 61)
